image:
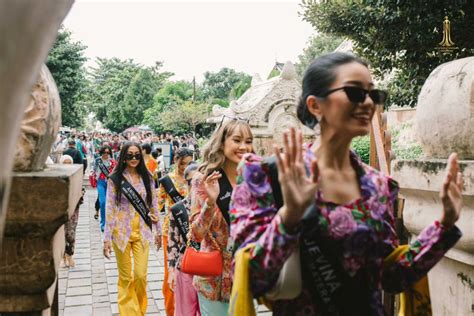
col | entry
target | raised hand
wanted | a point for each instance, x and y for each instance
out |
(211, 186)
(297, 187)
(451, 192)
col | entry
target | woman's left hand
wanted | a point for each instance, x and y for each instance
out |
(451, 193)
(154, 218)
(158, 241)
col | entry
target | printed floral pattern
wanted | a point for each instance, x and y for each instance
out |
(362, 232)
(204, 223)
(118, 223)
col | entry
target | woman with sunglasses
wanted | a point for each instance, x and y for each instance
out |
(336, 210)
(172, 182)
(127, 231)
(210, 198)
(102, 168)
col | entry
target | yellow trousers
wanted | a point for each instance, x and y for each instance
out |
(132, 298)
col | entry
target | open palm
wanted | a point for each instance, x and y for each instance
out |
(211, 186)
(451, 192)
(298, 188)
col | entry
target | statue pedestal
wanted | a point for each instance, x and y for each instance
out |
(451, 279)
(39, 205)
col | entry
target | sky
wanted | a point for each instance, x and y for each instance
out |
(192, 36)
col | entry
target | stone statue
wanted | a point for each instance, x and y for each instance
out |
(40, 124)
(28, 29)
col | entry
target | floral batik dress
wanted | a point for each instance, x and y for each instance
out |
(358, 236)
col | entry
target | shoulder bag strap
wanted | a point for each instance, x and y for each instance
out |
(225, 194)
(180, 215)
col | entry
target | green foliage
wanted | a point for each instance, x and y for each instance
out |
(66, 63)
(123, 90)
(173, 108)
(402, 148)
(397, 35)
(240, 87)
(273, 73)
(318, 44)
(361, 145)
(218, 85)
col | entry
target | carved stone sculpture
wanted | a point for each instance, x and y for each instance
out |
(445, 110)
(40, 124)
(270, 108)
(27, 29)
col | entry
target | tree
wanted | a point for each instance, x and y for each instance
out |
(240, 87)
(167, 104)
(66, 63)
(218, 85)
(397, 35)
(185, 117)
(317, 45)
(122, 90)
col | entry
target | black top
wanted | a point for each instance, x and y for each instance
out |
(75, 154)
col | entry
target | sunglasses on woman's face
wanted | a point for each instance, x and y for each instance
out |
(358, 95)
(107, 152)
(130, 156)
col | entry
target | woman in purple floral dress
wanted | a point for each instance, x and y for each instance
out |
(336, 209)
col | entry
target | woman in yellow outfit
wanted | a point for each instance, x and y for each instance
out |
(173, 188)
(128, 227)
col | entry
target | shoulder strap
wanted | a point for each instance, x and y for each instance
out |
(170, 189)
(225, 194)
(133, 197)
(270, 164)
(180, 215)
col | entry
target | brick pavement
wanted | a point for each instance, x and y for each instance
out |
(90, 288)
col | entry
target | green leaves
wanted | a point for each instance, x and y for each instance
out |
(66, 63)
(391, 34)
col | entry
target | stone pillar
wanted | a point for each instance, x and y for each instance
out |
(445, 124)
(40, 203)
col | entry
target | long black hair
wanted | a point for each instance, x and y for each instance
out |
(141, 169)
(317, 79)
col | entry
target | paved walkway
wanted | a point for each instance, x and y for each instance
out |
(90, 288)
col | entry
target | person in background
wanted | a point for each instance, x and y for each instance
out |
(210, 222)
(172, 182)
(70, 225)
(150, 162)
(73, 152)
(181, 283)
(102, 168)
(80, 145)
(127, 232)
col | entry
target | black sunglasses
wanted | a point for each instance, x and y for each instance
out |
(129, 156)
(358, 95)
(106, 152)
(230, 118)
(189, 181)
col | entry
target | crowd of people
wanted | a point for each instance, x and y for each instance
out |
(234, 216)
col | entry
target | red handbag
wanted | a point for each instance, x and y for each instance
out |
(200, 262)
